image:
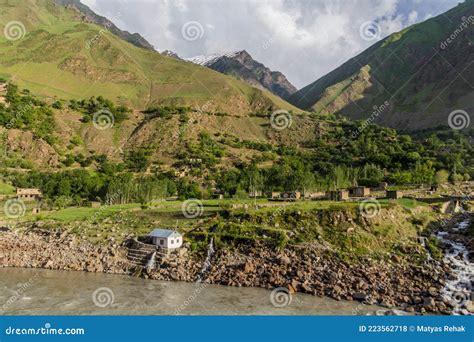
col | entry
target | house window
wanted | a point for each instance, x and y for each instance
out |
(177, 240)
(172, 241)
(162, 242)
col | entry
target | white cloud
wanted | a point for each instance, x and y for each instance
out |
(304, 39)
(412, 17)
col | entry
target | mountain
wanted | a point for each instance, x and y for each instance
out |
(415, 77)
(65, 83)
(169, 53)
(67, 62)
(87, 15)
(242, 66)
(61, 54)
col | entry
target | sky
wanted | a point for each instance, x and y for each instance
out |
(304, 39)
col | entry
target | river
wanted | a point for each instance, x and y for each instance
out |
(459, 288)
(46, 292)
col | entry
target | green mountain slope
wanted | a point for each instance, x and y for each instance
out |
(60, 56)
(421, 75)
(90, 16)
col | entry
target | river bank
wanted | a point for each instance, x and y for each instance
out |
(48, 292)
(391, 283)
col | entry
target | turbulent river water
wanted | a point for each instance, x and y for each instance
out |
(459, 288)
(45, 292)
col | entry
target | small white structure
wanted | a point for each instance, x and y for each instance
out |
(166, 238)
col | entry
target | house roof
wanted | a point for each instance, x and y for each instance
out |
(164, 233)
(31, 191)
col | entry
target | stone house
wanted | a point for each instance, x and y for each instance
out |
(359, 191)
(273, 195)
(290, 195)
(338, 195)
(394, 194)
(30, 194)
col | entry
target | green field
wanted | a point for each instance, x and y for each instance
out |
(6, 189)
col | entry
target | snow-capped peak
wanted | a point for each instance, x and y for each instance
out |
(209, 59)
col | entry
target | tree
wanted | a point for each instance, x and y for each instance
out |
(441, 177)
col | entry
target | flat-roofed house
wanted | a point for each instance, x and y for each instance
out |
(290, 195)
(273, 195)
(166, 238)
(394, 194)
(338, 195)
(29, 194)
(359, 191)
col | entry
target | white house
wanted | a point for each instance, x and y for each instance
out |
(166, 238)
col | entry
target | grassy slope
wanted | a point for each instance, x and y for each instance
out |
(6, 189)
(53, 60)
(405, 65)
(331, 225)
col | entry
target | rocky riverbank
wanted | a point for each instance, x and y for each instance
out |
(56, 250)
(392, 282)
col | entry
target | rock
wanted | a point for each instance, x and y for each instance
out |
(428, 302)
(360, 296)
(284, 260)
(396, 258)
(249, 267)
(290, 288)
(295, 284)
(433, 291)
(306, 288)
(470, 306)
(336, 289)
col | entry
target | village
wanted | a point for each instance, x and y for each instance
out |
(26, 204)
(264, 240)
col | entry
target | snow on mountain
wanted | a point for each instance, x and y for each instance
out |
(206, 60)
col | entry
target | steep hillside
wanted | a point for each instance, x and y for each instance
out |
(50, 50)
(423, 72)
(242, 66)
(90, 16)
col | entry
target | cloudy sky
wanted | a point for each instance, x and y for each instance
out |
(304, 39)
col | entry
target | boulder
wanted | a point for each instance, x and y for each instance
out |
(284, 260)
(249, 267)
(360, 296)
